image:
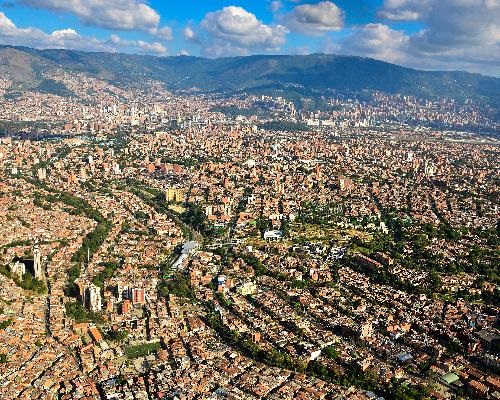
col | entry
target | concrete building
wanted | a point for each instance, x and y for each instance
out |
(247, 288)
(37, 262)
(18, 268)
(94, 299)
(138, 296)
(175, 194)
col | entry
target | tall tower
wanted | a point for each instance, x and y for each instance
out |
(95, 299)
(37, 262)
(318, 172)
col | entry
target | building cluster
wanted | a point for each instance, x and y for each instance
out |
(169, 250)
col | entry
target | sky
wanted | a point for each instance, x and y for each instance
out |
(423, 34)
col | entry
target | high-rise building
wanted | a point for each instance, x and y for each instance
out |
(319, 172)
(42, 173)
(366, 330)
(37, 262)
(90, 295)
(92, 298)
(429, 169)
(138, 296)
(126, 306)
(175, 194)
(345, 183)
(83, 174)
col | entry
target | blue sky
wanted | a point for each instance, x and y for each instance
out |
(427, 34)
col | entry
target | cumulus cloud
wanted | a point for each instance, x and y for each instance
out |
(314, 19)
(138, 46)
(448, 22)
(152, 48)
(376, 41)
(66, 34)
(110, 14)
(460, 23)
(11, 34)
(456, 34)
(404, 10)
(233, 30)
(190, 35)
(71, 39)
(164, 33)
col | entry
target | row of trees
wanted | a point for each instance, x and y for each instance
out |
(352, 375)
(94, 239)
(108, 271)
(244, 344)
(156, 199)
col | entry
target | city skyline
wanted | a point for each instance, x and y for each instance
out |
(431, 34)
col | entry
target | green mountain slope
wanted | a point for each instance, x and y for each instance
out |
(312, 75)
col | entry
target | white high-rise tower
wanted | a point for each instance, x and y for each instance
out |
(37, 262)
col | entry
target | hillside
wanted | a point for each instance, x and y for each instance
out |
(292, 76)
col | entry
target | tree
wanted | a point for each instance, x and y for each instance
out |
(177, 285)
(331, 352)
(434, 280)
(79, 313)
(73, 274)
(285, 227)
(5, 324)
(117, 335)
(262, 225)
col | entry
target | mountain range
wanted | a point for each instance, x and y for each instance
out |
(292, 76)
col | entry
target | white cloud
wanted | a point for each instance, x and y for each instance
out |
(456, 35)
(404, 10)
(189, 34)
(233, 30)
(111, 14)
(164, 33)
(384, 43)
(138, 46)
(376, 41)
(314, 19)
(152, 48)
(71, 39)
(460, 23)
(276, 5)
(64, 34)
(6, 25)
(11, 34)
(114, 38)
(461, 34)
(9, 30)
